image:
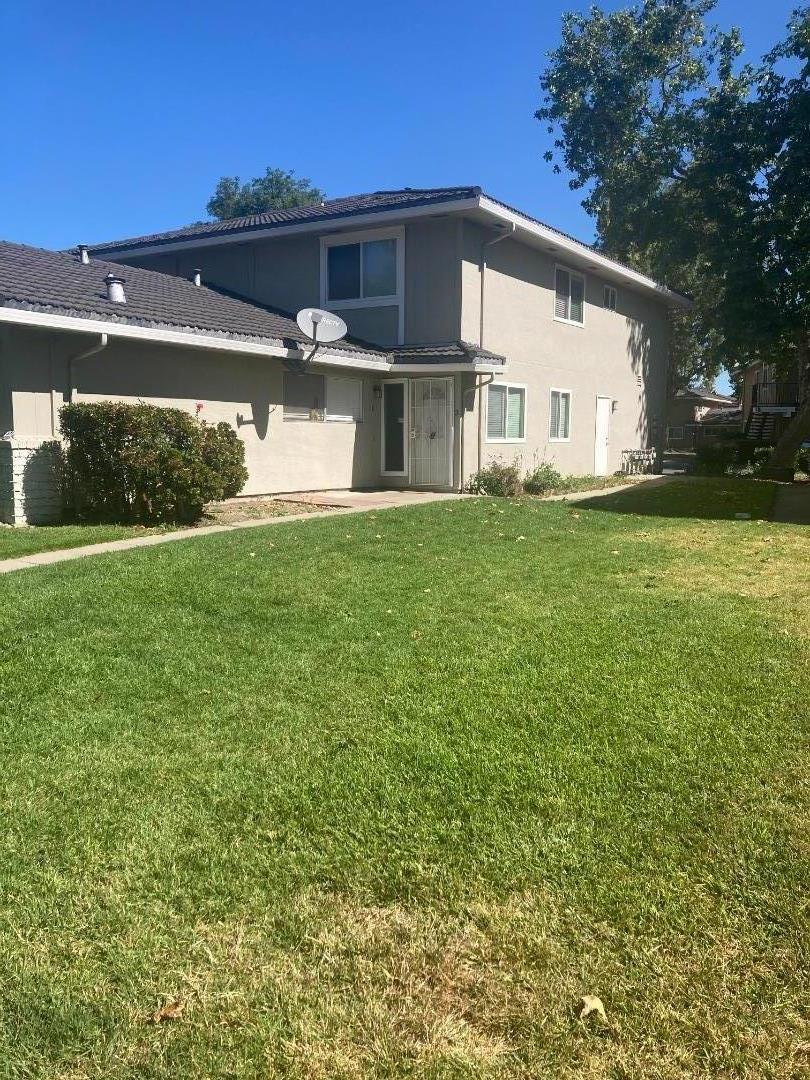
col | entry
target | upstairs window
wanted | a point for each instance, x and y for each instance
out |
(569, 297)
(506, 413)
(559, 427)
(609, 297)
(362, 271)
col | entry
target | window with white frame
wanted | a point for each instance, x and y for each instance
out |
(308, 397)
(559, 424)
(569, 296)
(609, 297)
(506, 413)
(366, 270)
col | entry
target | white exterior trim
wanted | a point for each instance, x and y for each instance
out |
(73, 324)
(396, 299)
(425, 369)
(513, 386)
(324, 225)
(561, 390)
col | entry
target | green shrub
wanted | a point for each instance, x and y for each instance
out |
(542, 480)
(141, 463)
(731, 456)
(497, 478)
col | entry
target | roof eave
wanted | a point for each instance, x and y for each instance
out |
(320, 225)
(565, 245)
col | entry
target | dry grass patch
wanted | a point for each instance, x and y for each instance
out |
(341, 989)
(760, 560)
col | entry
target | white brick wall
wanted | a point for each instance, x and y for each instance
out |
(29, 488)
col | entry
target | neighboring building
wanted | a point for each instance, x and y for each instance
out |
(693, 414)
(475, 332)
(769, 399)
(691, 406)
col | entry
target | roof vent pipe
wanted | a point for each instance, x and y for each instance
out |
(115, 289)
(84, 254)
(196, 277)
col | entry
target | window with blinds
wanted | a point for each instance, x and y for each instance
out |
(609, 297)
(506, 413)
(569, 296)
(559, 427)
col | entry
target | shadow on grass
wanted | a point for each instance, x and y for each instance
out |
(714, 498)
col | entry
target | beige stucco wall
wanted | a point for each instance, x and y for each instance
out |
(244, 391)
(620, 354)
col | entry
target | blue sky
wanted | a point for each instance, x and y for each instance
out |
(119, 119)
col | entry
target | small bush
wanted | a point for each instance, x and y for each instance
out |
(731, 456)
(497, 478)
(141, 463)
(542, 480)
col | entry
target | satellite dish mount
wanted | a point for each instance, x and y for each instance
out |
(321, 327)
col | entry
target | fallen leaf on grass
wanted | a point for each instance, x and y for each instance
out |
(171, 1010)
(592, 1005)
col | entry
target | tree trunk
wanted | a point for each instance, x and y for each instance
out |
(781, 465)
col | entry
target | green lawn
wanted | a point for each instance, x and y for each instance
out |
(383, 795)
(31, 539)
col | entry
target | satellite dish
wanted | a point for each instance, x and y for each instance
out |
(321, 326)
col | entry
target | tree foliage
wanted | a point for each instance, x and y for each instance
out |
(694, 167)
(278, 189)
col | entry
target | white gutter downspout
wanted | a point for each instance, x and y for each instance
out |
(102, 343)
(509, 230)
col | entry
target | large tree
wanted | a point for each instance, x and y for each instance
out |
(278, 189)
(695, 169)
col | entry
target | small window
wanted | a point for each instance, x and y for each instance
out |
(609, 297)
(344, 399)
(559, 428)
(506, 413)
(569, 296)
(302, 395)
(367, 270)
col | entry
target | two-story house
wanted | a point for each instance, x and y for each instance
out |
(475, 331)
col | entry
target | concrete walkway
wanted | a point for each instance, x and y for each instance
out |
(334, 503)
(792, 504)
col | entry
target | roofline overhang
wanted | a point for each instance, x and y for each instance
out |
(45, 320)
(482, 203)
(320, 225)
(566, 245)
(477, 368)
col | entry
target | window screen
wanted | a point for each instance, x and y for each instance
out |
(380, 268)
(344, 399)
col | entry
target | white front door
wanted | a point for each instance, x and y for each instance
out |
(431, 452)
(602, 444)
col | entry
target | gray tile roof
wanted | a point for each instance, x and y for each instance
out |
(325, 211)
(60, 283)
(54, 282)
(333, 209)
(452, 352)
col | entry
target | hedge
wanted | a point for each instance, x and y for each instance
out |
(142, 463)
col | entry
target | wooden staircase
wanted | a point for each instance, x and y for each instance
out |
(764, 427)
